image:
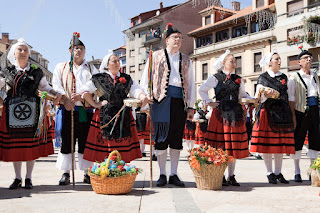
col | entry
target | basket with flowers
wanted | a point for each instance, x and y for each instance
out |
(208, 165)
(314, 172)
(113, 176)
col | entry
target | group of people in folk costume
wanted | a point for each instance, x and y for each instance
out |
(288, 111)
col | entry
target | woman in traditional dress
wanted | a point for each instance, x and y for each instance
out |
(273, 131)
(227, 128)
(18, 126)
(120, 134)
(189, 134)
(202, 123)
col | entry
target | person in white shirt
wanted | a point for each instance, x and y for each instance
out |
(173, 97)
(305, 86)
(227, 127)
(272, 133)
(69, 85)
(18, 126)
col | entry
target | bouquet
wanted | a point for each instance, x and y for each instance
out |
(208, 155)
(316, 164)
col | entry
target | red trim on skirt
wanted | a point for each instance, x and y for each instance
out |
(263, 140)
(200, 136)
(189, 134)
(98, 148)
(146, 133)
(233, 139)
(21, 145)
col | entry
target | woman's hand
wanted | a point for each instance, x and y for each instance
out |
(214, 104)
(57, 99)
(269, 93)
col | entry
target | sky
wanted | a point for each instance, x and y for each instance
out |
(47, 25)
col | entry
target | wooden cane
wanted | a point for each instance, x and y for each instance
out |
(72, 115)
(151, 97)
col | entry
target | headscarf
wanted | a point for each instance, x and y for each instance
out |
(218, 64)
(265, 61)
(11, 57)
(105, 61)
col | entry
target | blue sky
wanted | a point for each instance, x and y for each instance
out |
(47, 25)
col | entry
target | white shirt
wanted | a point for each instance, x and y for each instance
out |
(290, 91)
(309, 80)
(82, 76)
(43, 85)
(135, 90)
(174, 78)
(212, 82)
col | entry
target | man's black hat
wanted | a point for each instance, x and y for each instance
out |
(304, 52)
(76, 42)
(169, 30)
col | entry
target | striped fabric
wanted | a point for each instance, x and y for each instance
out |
(99, 148)
(189, 134)
(200, 135)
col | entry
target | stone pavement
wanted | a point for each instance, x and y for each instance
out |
(254, 195)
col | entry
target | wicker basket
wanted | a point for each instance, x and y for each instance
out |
(315, 181)
(112, 185)
(209, 177)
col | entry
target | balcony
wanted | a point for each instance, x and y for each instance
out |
(148, 39)
(236, 42)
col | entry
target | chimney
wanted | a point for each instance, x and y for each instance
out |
(5, 37)
(235, 5)
(160, 6)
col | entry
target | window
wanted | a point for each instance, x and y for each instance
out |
(204, 71)
(293, 63)
(208, 20)
(131, 69)
(257, 58)
(256, 27)
(295, 7)
(297, 31)
(222, 35)
(141, 33)
(314, 2)
(260, 3)
(238, 65)
(255, 88)
(239, 31)
(205, 40)
(141, 66)
(135, 22)
(131, 53)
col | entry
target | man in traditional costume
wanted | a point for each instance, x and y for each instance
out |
(173, 98)
(69, 84)
(306, 100)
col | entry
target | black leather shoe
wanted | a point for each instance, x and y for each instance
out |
(281, 178)
(86, 179)
(16, 184)
(154, 158)
(144, 154)
(232, 181)
(175, 181)
(225, 182)
(65, 179)
(297, 178)
(272, 178)
(162, 180)
(28, 184)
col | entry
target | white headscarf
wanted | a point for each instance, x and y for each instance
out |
(11, 57)
(218, 64)
(105, 61)
(265, 61)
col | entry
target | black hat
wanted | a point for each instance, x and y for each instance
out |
(304, 52)
(169, 30)
(76, 42)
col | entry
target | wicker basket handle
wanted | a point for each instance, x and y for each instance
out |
(110, 155)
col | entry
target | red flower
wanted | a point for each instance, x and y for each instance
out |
(137, 169)
(238, 80)
(283, 81)
(300, 47)
(122, 80)
(77, 34)
(121, 168)
(114, 158)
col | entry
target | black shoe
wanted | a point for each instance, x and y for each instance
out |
(162, 180)
(28, 184)
(258, 157)
(144, 154)
(175, 181)
(272, 178)
(297, 178)
(86, 179)
(154, 158)
(232, 181)
(65, 179)
(281, 178)
(16, 184)
(225, 182)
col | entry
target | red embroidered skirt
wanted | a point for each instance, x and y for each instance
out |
(233, 139)
(263, 140)
(189, 134)
(200, 136)
(98, 149)
(20, 144)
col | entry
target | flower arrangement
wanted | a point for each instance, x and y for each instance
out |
(208, 155)
(115, 168)
(316, 164)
